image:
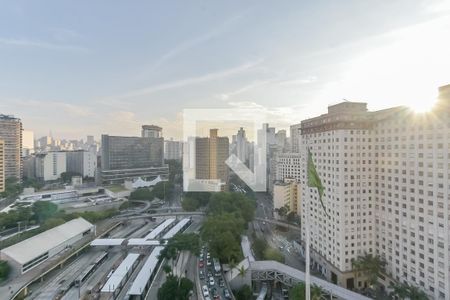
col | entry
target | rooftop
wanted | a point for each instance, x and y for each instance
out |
(30, 248)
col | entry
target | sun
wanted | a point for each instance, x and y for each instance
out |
(421, 107)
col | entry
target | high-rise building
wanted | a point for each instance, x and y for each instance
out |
(27, 143)
(280, 139)
(49, 166)
(386, 176)
(173, 149)
(2, 166)
(131, 157)
(288, 165)
(151, 131)
(82, 162)
(11, 134)
(295, 137)
(211, 153)
(241, 146)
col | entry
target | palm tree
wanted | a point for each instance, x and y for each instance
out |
(242, 271)
(369, 265)
(167, 269)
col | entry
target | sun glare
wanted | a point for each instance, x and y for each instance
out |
(422, 106)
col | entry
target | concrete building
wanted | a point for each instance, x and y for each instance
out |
(242, 147)
(49, 166)
(210, 155)
(2, 166)
(27, 143)
(287, 193)
(295, 137)
(125, 158)
(82, 162)
(386, 176)
(173, 149)
(281, 139)
(11, 134)
(151, 131)
(31, 252)
(288, 165)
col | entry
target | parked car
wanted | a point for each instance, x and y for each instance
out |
(226, 294)
(200, 264)
(201, 274)
(208, 263)
(221, 282)
(211, 281)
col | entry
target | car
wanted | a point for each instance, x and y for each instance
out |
(201, 258)
(205, 291)
(209, 274)
(221, 282)
(200, 264)
(211, 281)
(207, 298)
(226, 294)
(216, 297)
(208, 263)
(201, 274)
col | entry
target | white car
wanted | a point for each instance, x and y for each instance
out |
(211, 281)
(205, 291)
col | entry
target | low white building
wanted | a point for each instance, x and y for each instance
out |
(33, 251)
(49, 166)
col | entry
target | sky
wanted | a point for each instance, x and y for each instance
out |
(90, 67)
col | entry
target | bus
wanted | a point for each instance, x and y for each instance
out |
(217, 267)
(90, 269)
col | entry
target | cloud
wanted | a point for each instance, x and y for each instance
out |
(190, 81)
(189, 44)
(27, 43)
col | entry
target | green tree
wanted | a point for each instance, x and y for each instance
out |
(298, 292)
(182, 242)
(370, 266)
(167, 269)
(12, 188)
(282, 211)
(44, 210)
(273, 254)
(67, 176)
(245, 293)
(190, 204)
(175, 288)
(142, 194)
(404, 291)
(5, 269)
(259, 246)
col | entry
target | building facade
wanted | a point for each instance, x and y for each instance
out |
(2, 166)
(173, 149)
(82, 162)
(288, 165)
(131, 157)
(49, 166)
(151, 131)
(287, 193)
(11, 134)
(386, 176)
(210, 155)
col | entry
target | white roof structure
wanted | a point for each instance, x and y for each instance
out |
(175, 229)
(158, 229)
(246, 249)
(143, 242)
(140, 183)
(143, 276)
(29, 249)
(107, 242)
(114, 282)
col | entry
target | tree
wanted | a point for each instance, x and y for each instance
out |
(67, 176)
(298, 292)
(259, 246)
(282, 211)
(12, 188)
(292, 217)
(44, 210)
(5, 268)
(175, 288)
(167, 269)
(273, 254)
(142, 194)
(190, 204)
(182, 242)
(405, 291)
(245, 293)
(370, 266)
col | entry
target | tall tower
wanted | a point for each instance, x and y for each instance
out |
(11, 134)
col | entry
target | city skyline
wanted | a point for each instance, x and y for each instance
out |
(290, 66)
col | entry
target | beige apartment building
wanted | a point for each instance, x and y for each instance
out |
(210, 156)
(386, 178)
(287, 193)
(11, 134)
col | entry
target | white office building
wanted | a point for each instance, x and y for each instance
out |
(49, 166)
(288, 165)
(82, 162)
(173, 149)
(386, 179)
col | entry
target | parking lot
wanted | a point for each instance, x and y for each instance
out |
(211, 277)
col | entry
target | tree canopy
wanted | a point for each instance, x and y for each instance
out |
(44, 210)
(245, 293)
(175, 288)
(182, 242)
(5, 268)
